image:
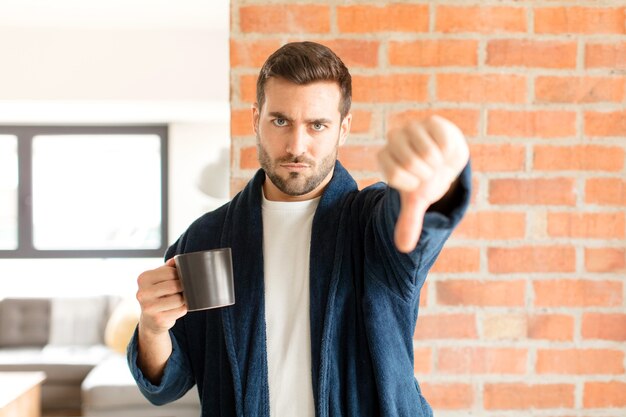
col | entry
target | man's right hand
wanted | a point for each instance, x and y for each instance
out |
(161, 299)
(162, 303)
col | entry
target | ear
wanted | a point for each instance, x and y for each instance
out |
(256, 114)
(344, 129)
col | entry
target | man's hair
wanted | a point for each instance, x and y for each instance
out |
(304, 63)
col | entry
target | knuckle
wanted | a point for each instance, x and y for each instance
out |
(175, 287)
(446, 145)
(141, 278)
(177, 299)
(143, 298)
(408, 164)
(394, 177)
(414, 125)
(435, 120)
(429, 155)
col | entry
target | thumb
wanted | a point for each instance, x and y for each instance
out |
(171, 262)
(409, 224)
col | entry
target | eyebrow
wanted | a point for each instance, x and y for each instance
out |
(280, 115)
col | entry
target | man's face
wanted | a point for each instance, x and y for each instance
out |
(299, 130)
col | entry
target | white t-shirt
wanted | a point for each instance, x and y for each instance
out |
(286, 249)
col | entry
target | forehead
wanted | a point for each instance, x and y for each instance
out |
(320, 97)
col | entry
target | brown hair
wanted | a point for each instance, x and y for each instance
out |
(304, 63)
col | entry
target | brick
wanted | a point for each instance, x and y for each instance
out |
(587, 225)
(475, 190)
(481, 360)
(241, 123)
(361, 121)
(445, 326)
(577, 293)
(604, 394)
(604, 326)
(539, 191)
(480, 88)
(251, 53)
(554, 327)
(355, 52)
(248, 158)
(481, 293)
(579, 89)
(530, 53)
(518, 396)
(424, 294)
(387, 18)
(590, 20)
(481, 19)
(359, 157)
(579, 158)
(247, 88)
(466, 119)
(434, 53)
(606, 55)
(237, 184)
(492, 225)
(389, 88)
(290, 18)
(524, 124)
(605, 191)
(605, 123)
(580, 361)
(366, 182)
(457, 259)
(509, 326)
(422, 363)
(531, 259)
(497, 157)
(605, 259)
(448, 396)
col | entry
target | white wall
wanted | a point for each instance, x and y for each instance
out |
(199, 172)
(135, 61)
(122, 64)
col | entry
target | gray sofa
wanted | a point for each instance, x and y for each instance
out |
(65, 339)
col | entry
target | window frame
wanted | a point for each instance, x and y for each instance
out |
(25, 244)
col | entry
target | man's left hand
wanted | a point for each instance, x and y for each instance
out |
(421, 161)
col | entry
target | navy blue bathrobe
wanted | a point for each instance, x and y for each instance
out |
(364, 304)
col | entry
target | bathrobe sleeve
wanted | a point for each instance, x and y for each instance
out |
(403, 273)
(177, 377)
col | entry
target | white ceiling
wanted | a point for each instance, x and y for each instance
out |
(114, 14)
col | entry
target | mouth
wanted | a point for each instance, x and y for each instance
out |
(295, 167)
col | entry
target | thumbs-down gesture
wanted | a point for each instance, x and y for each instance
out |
(422, 161)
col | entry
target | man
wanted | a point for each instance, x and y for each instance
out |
(327, 278)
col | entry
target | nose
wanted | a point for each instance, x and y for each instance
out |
(297, 142)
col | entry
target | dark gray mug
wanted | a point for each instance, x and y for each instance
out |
(207, 278)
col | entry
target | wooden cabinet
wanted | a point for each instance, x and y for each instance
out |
(20, 394)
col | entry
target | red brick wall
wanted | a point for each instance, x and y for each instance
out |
(526, 307)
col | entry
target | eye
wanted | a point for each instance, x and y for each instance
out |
(279, 122)
(318, 127)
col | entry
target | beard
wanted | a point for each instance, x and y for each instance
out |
(296, 183)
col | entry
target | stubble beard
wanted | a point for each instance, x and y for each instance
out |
(296, 184)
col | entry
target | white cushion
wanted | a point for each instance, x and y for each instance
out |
(111, 386)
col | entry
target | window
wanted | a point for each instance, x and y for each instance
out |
(8, 192)
(83, 191)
